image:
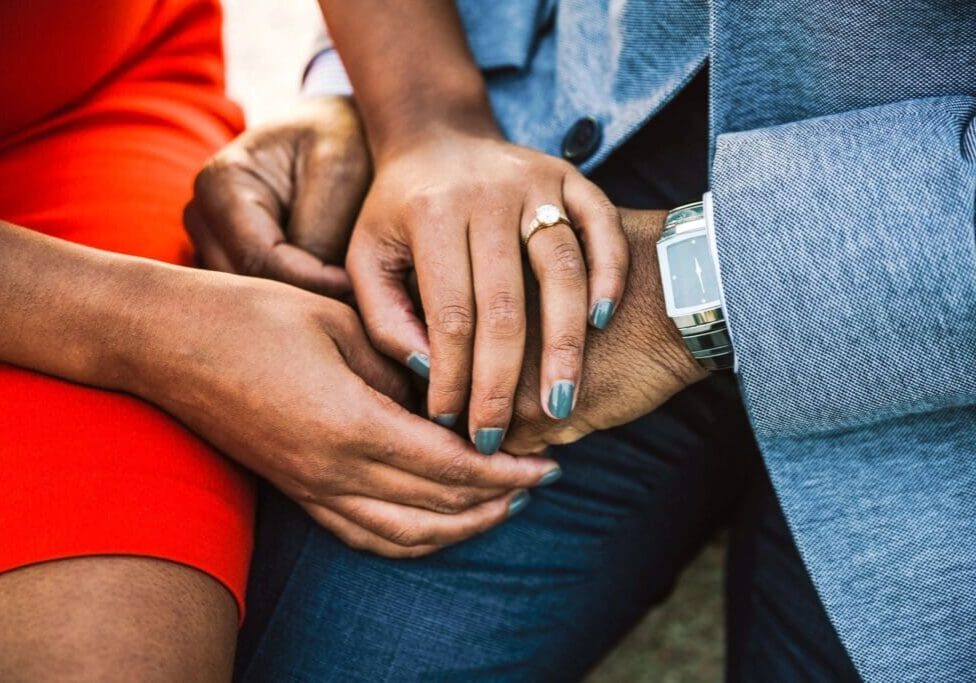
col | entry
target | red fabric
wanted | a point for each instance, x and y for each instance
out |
(108, 109)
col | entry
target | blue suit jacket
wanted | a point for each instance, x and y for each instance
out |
(843, 177)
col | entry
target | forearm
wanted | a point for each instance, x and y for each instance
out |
(411, 68)
(75, 312)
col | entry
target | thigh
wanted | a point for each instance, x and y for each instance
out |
(540, 598)
(778, 629)
(114, 619)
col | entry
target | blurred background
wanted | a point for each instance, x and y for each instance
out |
(268, 44)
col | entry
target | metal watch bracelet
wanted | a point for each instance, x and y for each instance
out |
(705, 332)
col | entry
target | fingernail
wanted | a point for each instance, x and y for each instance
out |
(518, 503)
(488, 440)
(601, 313)
(419, 363)
(550, 477)
(561, 399)
(448, 420)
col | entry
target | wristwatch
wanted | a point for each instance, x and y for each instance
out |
(692, 294)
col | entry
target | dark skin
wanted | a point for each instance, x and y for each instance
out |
(449, 201)
(629, 369)
(107, 619)
(323, 420)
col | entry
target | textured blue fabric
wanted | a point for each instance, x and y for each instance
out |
(843, 180)
(542, 597)
(619, 62)
(844, 213)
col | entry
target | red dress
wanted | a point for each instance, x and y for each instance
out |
(107, 111)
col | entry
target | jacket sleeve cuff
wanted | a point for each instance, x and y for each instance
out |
(325, 75)
(849, 264)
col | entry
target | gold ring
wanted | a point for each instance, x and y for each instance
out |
(546, 216)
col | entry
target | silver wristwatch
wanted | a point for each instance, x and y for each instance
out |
(691, 288)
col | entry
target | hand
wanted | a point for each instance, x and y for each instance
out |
(286, 383)
(451, 205)
(279, 201)
(630, 369)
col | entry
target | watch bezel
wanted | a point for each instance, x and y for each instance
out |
(682, 232)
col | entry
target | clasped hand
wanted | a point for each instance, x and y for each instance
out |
(281, 202)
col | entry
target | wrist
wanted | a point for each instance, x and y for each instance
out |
(164, 330)
(418, 118)
(656, 339)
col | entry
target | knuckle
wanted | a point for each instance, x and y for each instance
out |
(446, 392)
(564, 435)
(426, 206)
(454, 321)
(506, 316)
(606, 208)
(344, 318)
(568, 347)
(219, 168)
(404, 534)
(454, 501)
(615, 269)
(494, 406)
(563, 167)
(356, 541)
(457, 469)
(566, 263)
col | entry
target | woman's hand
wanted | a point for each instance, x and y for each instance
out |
(286, 383)
(280, 200)
(630, 369)
(452, 205)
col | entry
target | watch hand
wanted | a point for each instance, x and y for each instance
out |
(698, 272)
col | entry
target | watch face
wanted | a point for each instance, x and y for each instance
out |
(691, 274)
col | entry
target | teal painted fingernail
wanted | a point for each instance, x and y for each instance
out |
(601, 313)
(488, 440)
(550, 477)
(419, 363)
(561, 399)
(448, 420)
(518, 503)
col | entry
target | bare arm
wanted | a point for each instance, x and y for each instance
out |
(68, 310)
(450, 200)
(282, 380)
(411, 68)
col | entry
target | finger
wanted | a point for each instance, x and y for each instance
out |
(209, 252)
(246, 222)
(292, 264)
(359, 538)
(496, 258)
(444, 281)
(381, 481)
(329, 189)
(385, 432)
(378, 270)
(597, 221)
(375, 369)
(411, 527)
(557, 261)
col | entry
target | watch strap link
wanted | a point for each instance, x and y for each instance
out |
(706, 334)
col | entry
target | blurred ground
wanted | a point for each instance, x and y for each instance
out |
(268, 43)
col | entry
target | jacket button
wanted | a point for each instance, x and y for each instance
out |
(582, 140)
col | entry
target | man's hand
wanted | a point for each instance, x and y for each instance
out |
(280, 201)
(629, 370)
(286, 383)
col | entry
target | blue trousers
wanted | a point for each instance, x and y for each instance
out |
(547, 594)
